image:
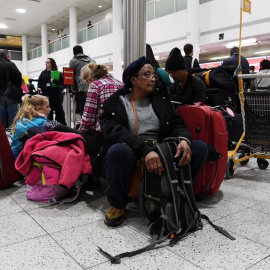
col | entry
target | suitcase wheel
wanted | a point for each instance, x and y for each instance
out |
(230, 170)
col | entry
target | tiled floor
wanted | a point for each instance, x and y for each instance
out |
(65, 237)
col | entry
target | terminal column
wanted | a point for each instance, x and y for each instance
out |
(193, 33)
(44, 41)
(134, 30)
(24, 56)
(73, 27)
(117, 38)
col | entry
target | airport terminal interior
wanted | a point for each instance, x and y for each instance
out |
(39, 236)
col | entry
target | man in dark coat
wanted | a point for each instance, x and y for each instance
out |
(8, 73)
(186, 88)
(234, 59)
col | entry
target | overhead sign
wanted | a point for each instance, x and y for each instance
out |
(246, 6)
(68, 75)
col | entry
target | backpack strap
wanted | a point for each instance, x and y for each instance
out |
(77, 186)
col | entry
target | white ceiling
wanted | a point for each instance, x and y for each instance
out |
(53, 12)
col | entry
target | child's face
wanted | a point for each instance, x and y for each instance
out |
(45, 109)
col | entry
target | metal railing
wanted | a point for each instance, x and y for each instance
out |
(34, 53)
(94, 31)
(58, 44)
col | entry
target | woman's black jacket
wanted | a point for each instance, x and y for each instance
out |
(44, 82)
(115, 126)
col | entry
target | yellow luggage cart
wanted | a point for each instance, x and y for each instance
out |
(255, 108)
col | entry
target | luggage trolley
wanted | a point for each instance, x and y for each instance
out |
(255, 108)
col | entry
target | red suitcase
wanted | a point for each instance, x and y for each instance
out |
(208, 124)
(8, 173)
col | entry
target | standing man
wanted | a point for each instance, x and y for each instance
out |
(8, 73)
(77, 63)
(234, 59)
(190, 61)
(186, 88)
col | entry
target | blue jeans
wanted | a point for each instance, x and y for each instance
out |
(8, 108)
(120, 164)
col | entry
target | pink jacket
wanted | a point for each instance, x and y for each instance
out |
(65, 149)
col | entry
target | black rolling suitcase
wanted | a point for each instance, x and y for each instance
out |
(221, 97)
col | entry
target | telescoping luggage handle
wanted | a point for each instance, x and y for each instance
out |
(174, 238)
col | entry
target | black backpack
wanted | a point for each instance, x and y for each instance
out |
(169, 204)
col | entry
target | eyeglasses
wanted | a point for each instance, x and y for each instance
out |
(147, 75)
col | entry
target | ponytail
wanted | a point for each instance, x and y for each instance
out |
(28, 108)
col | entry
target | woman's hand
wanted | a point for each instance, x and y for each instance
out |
(184, 149)
(153, 163)
(52, 79)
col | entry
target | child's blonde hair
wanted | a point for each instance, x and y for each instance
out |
(28, 108)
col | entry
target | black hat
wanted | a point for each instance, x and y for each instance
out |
(132, 69)
(175, 60)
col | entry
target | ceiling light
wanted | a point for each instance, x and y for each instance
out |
(20, 10)
(157, 57)
(244, 42)
(219, 57)
(99, 6)
(262, 52)
(3, 26)
(53, 29)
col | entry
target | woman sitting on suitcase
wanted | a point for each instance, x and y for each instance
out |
(133, 117)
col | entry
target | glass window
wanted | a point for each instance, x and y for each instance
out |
(65, 42)
(29, 55)
(16, 55)
(181, 5)
(204, 1)
(150, 11)
(57, 45)
(103, 28)
(50, 49)
(164, 7)
(39, 53)
(82, 36)
(92, 32)
(110, 26)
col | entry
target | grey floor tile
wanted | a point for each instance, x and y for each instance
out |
(60, 217)
(26, 204)
(161, 259)
(41, 253)
(16, 188)
(101, 203)
(81, 243)
(255, 179)
(242, 195)
(210, 250)
(18, 227)
(249, 223)
(216, 208)
(2, 193)
(263, 207)
(262, 265)
(8, 206)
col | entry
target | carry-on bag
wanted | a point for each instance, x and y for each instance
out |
(209, 125)
(8, 173)
(221, 97)
(169, 204)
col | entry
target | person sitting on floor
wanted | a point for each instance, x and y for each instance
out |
(186, 89)
(133, 116)
(33, 112)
